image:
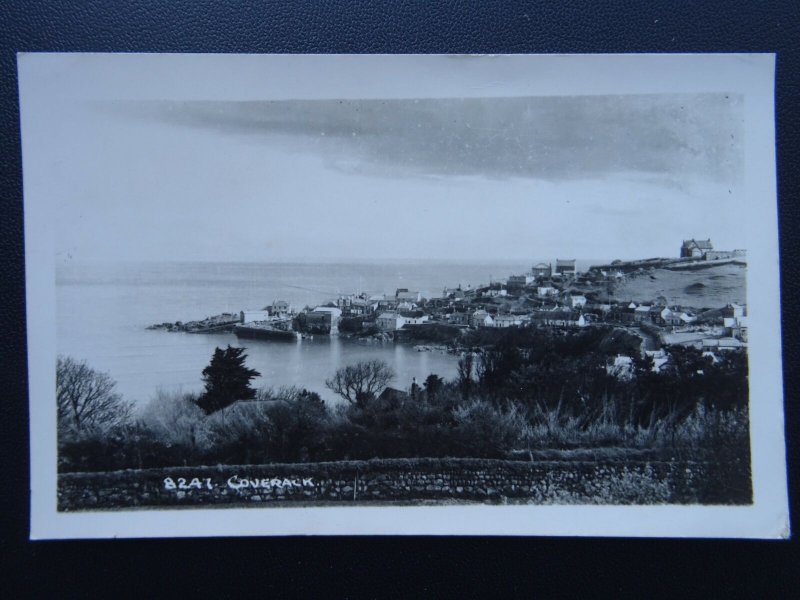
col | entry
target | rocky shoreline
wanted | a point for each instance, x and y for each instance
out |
(222, 323)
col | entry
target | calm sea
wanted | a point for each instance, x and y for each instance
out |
(103, 310)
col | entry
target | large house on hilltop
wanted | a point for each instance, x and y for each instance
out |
(695, 248)
(542, 270)
(565, 267)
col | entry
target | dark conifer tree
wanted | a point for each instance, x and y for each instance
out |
(433, 385)
(227, 380)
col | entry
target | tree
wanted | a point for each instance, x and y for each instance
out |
(227, 380)
(297, 420)
(433, 385)
(495, 365)
(86, 399)
(414, 389)
(465, 368)
(360, 382)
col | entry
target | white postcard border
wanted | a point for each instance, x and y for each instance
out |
(43, 79)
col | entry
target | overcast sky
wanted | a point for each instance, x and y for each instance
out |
(513, 178)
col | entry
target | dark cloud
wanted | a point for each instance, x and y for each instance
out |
(554, 138)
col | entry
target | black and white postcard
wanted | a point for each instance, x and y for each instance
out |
(374, 294)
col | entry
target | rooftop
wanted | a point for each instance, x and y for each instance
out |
(701, 244)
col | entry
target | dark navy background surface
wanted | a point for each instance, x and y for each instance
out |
(385, 567)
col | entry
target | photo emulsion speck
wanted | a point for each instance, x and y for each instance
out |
(422, 285)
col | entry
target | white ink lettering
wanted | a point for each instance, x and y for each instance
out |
(235, 483)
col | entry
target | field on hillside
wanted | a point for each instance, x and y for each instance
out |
(702, 288)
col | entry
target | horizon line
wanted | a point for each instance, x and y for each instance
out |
(344, 260)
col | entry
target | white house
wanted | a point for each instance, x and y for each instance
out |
(575, 301)
(252, 316)
(736, 327)
(546, 291)
(493, 293)
(695, 248)
(280, 308)
(405, 305)
(735, 310)
(390, 321)
(414, 320)
(480, 318)
(507, 321)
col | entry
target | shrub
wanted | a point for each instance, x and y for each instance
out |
(484, 430)
(176, 420)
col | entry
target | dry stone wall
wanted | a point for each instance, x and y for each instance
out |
(423, 480)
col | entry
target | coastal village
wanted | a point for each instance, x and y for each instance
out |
(552, 295)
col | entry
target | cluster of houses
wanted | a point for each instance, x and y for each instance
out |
(710, 338)
(537, 304)
(548, 295)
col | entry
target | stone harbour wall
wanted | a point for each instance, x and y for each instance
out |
(398, 481)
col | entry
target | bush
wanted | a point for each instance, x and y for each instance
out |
(484, 430)
(176, 420)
